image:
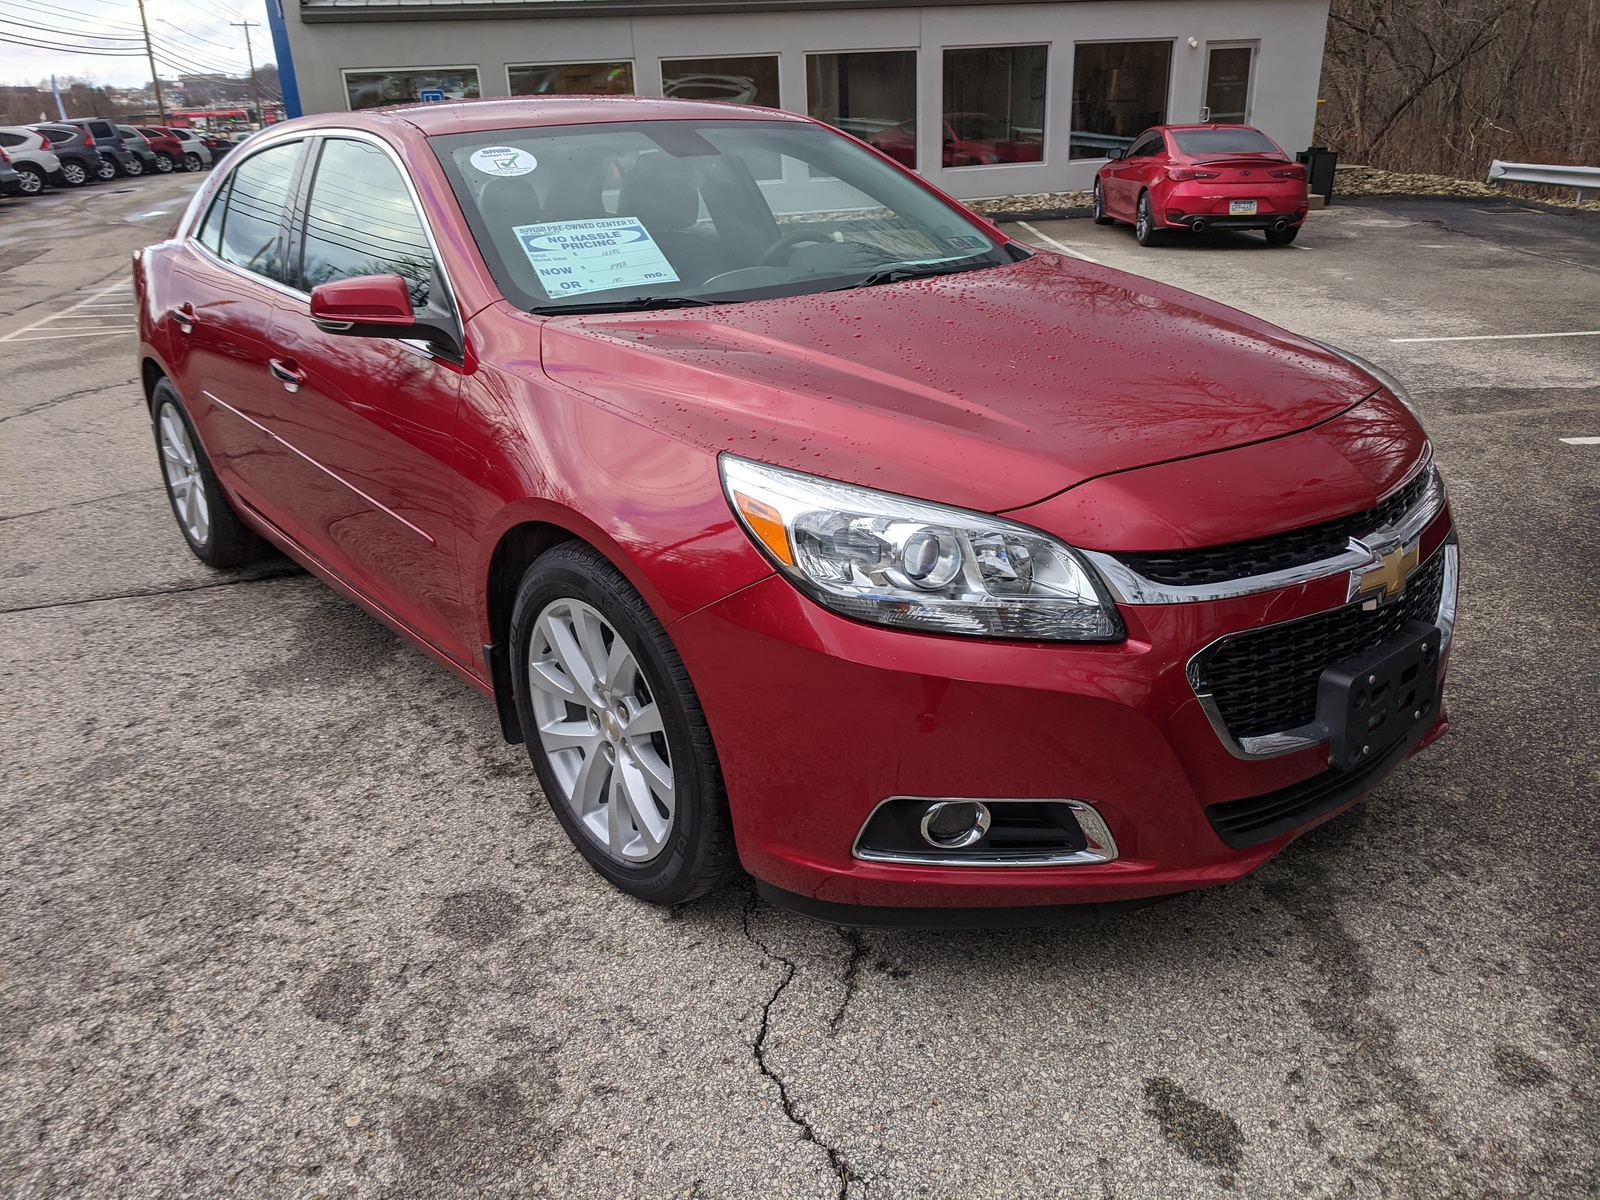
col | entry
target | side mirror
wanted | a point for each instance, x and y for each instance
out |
(1116, 152)
(378, 306)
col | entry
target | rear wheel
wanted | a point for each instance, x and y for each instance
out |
(615, 731)
(191, 162)
(1282, 237)
(209, 524)
(30, 178)
(73, 174)
(134, 165)
(164, 163)
(1144, 229)
(1100, 216)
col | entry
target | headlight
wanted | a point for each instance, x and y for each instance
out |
(1394, 386)
(913, 565)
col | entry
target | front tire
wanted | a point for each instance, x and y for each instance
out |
(1144, 228)
(615, 732)
(207, 520)
(134, 165)
(108, 169)
(73, 174)
(1100, 215)
(164, 163)
(191, 162)
(1282, 237)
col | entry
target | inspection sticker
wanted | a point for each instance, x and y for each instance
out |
(503, 161)
(574, 257)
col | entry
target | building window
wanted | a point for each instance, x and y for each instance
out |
(368, 89)
(994, 105)
(569, 79)
(871, 94)
(1119, 89)
(750, 80)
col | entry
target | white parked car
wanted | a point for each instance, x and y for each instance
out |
(35, 165)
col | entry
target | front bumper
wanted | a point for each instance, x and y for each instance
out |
(818, 719)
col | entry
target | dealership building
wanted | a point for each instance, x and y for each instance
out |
(986, 99)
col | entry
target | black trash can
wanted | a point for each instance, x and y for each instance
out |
(1320, 162)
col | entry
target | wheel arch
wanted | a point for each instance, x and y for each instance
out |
(150, 374)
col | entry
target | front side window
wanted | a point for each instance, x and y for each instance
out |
(872, 95)
(1119, 89)
(360, 221)
(661, 213)
(994, 100)
(746, 80)
(572, 79)
(369, 89)
(252, 223)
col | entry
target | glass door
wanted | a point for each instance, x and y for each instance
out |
(1228, 84)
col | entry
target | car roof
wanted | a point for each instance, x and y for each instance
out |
(469, 116)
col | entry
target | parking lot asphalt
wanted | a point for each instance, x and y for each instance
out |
(281, 915)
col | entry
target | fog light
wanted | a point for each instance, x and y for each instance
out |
(952, 824)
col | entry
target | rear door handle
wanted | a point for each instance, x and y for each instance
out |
(183, 317)
(287, 371)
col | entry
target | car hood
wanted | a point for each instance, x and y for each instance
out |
(989, 389)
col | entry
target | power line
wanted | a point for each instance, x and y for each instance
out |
(32, 45)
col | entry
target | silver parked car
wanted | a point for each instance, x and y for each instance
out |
(196, 154)
(34, 163)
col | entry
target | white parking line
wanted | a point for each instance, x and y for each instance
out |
(1582, 441)
(1502, 337)
(58, 325)
(1061, 246)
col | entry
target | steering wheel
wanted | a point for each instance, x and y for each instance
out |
(787, 243)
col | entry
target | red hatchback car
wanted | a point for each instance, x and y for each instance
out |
(796, 517)
(1200, 177)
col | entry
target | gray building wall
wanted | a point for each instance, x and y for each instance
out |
(1287, 34)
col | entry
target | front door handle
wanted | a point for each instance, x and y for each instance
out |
(183, 317)
(288, 372)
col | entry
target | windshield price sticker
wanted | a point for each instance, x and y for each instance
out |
(574, 257)
(503, 161)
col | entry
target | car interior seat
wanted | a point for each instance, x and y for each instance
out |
(662, 192)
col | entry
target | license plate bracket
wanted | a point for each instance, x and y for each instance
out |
(1370, 702)
(1242, 208)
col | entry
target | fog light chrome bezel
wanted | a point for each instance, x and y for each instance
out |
(1100, 848)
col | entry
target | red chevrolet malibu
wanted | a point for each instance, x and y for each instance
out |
(1200, 177)
(794, 516)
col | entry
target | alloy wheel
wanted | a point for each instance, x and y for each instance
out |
(74, 174)
(31, 181)
(107, 169)
(1099, 202)
(1143, 228)
(135, 166)
(191, 161)
(181, 466)
(602, 732)
(163, 163)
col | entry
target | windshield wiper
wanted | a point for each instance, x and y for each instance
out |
(637, 304)
(921, 271)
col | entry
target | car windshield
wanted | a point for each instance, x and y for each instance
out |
(661, 213)
(1223, 141)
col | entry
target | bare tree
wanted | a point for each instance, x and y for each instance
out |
(1443, 86)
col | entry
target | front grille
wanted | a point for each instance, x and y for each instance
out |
(1265, 681)
(1242, 560)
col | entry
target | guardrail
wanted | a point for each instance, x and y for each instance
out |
(1585, 179)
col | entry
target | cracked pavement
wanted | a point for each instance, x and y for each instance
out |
(281, 916)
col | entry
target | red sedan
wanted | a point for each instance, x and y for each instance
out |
(811, 524)
(1200, 177)
(969, 139)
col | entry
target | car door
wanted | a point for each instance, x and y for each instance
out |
(1128, 176)
(374, 418)
(227, 283)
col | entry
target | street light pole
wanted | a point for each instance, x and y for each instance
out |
(155, 79)
(249, 54)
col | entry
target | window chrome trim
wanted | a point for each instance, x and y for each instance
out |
(1102, 847)
(1290, 741)
(1129, 587)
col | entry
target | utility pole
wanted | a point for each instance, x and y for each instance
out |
(249, 54)
(155, 79)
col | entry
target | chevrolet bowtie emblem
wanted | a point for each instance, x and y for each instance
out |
(1388, 576)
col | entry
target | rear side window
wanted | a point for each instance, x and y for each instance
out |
(361, 221)
(11, 139)
(210, 235)
(1146, 146)
(253, 219)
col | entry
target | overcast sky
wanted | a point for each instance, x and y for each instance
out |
(190, 36)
